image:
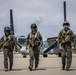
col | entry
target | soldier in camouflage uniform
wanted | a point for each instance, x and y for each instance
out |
(7, 43)
(66, 40)
(34, 41)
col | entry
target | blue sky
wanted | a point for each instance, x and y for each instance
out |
(47, 14)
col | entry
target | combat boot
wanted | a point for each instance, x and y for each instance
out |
(10, 68)
(6, 69)
(63, 67)
(30, 68)
(36, 67)
(67, 69)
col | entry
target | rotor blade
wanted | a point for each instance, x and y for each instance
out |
(51, 47)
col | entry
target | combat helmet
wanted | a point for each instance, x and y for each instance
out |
(7, 29)
(33, 26)
(66, 23)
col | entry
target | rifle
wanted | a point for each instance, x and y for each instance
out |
(6, 43)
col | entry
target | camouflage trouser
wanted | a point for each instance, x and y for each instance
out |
(7, 55)
(34, 54)
(66, 57)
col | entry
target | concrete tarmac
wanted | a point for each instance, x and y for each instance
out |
(47, 66)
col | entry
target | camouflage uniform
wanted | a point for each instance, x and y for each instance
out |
(7, 43)
(66, 39)
(34, 41)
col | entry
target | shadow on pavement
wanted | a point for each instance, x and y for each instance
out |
(43, 68)
(38, 69)
(11, 70)
(72, 69)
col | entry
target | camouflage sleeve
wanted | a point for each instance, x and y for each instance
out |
(1, 39)
(72, 34)
(59, 37)
(12, 42)
(1, 42)
(40, 37)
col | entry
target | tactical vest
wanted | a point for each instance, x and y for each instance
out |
(8, 42)
(6, 38)
(66, 36)
(34, 39)
(65, 33)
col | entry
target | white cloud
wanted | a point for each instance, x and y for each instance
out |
(48, 14)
